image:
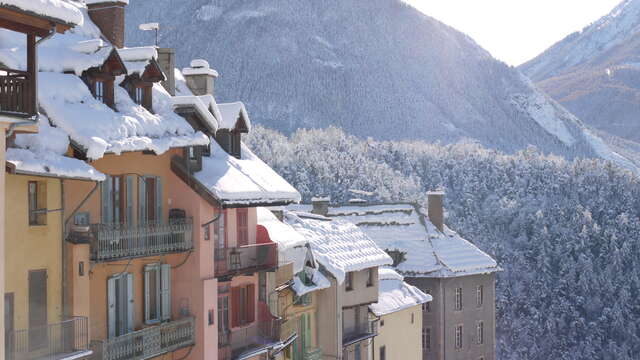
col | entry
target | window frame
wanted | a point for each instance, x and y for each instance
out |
(37, 203)
(479, 295)
(480, 332)
(459, 331)
(348, 281)
(458, 299)
(370, 276)
(161, 274)
(426, 339)
(242, 228)
(383, 352)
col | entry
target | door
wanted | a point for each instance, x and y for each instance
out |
(37, 309)
(120, 304)
(223, 320)
(8, 325)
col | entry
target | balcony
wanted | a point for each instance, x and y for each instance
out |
(357, 332)
(149, 342)
(65, 340)
(251, 340)
(117, 241)
(16, 94)
(248, 259)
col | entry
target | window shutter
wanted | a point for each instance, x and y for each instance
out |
(165, 291)
(251, 303)
(111, 306)
(307, 334)
(147, 294)
(106, 201)
(159, 199)
(220, 241)
(129, 304)
(129, 205)
(235, 306)
(142, 200)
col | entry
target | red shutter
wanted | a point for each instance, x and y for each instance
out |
(235, 307)
(251, 303)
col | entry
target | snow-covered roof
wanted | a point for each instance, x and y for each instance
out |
(91, 2)
(318, 282)
(199, 67)
(338, 245)
(60, 10)
(243, 181)
(196, 102)
(136, 59)
(89, 123)
(291, 245)
(231, 114)
(394, 294)
(404, 227)
(43, 154)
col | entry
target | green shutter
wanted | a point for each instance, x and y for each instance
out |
(142, 200)
(111, 306)
(165, 292)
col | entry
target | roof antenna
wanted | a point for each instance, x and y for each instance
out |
(150, 27)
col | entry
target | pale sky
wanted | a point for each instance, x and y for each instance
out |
(515, 31)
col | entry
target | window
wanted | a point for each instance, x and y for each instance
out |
(223, 313)
(99, 91)
(426, 307)
(356, 352)
(236, 144)
(81, 219)
(210, 317)
(120, 304)
(262, 287)
(37, 202)
(242, 305)
(157, 293)
(480, 333)
(458, 337)
(426, 339)
(381, 323)
(348, 281)
(458, 305)
(219, 233)
(150, 199)
(383, 352)
(479, 295)
(304, 300)
(207, 233)
(138, 95)
(412, 318)
(117, 200)
(243, 227)
(370, 276)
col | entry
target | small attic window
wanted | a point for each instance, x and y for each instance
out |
(99, 90)
(141, 94)
(102, 89)
(138, 95)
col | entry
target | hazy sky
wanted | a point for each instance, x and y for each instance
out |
(515, 31)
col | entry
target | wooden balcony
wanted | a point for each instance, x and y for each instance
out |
(17, 97)
(147, 343)
(243, 260)
(64, 340)
(111, 242)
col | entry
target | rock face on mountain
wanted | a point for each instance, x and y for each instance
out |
(376, 68)
(595, 73)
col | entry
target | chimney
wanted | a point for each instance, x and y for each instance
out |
(200, 77)
(435, 209)
(320, 205)
(108, 15)
(167, 62)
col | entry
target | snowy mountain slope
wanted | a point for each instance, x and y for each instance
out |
(376, 68)
(596, 73)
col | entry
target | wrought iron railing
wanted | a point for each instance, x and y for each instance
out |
(149, 342)
(51, 341)
(248, 338)
(117, 241)
(16, 93)
(245, 259)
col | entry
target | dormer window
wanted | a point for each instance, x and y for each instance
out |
(99, 90)
(100, 79)
(140, 93)
(102, 89)
(138, 96)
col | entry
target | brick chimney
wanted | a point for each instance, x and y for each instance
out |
(320, 205)
(108, 15)
(167, 62)
(200, 77)
(436, 209)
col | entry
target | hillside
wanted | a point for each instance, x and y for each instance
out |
(565, 233)
(595, 73)
(375, 68)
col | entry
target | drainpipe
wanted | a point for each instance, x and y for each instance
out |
(65, 280)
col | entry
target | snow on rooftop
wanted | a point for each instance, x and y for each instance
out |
(243, 181)
(197, 103)
(319, 282)
(394, 294)
(427, 251)
(231, 113)
(140, 53)
(338, 245)
(291, 245)
(43, 154)
(90, 2)
(100, 129)
(60, 10)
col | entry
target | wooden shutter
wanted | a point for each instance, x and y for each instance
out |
(251, 303)
(107, 214)
(111, 306)
(235, 307)
(129, 305)
(165, 292)
(142, 200)
(148, 274)
(159, 199)
(219, 230)
(129, 200)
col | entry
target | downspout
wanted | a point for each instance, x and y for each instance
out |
(443, 326)
(65, 280)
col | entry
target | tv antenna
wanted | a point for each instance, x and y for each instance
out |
(151, 27)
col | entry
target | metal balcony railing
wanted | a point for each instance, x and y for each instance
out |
(61, 340)
(245, 259)
(117, 241)
(16, 93)
(149, 342)
(253, 337)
